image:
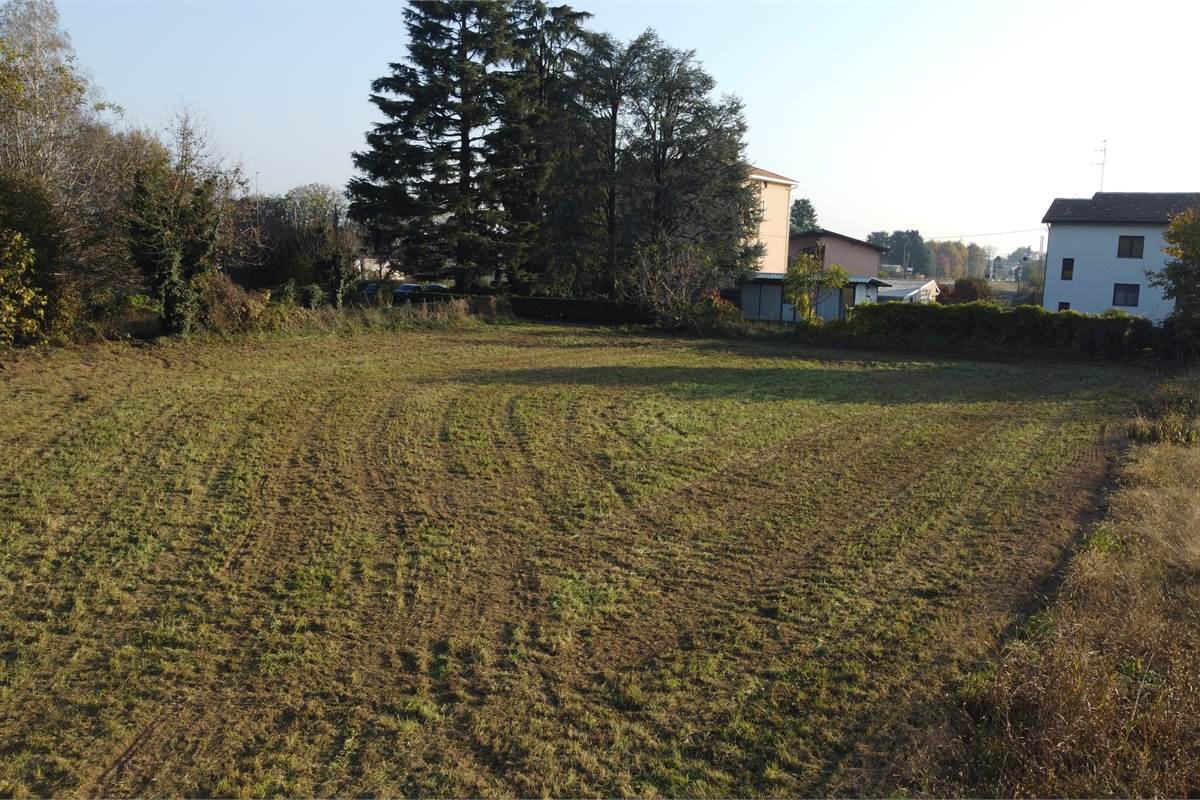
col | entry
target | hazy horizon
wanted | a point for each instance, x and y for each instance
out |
(960, 120)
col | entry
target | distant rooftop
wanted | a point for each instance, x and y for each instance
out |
(1151, 208)
(817, 233)
(759, 172)
(910, 284)
(899, 290)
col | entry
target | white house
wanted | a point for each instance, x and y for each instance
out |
(1102, 247)
(909, 291)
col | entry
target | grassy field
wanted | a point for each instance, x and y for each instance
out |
(527, 560)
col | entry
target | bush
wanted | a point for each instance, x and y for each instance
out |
(22, 306)
(967, 290)
(713, 314)
(227, 307)
(314, 295)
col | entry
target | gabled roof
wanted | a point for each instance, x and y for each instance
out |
(1151, 208)
(819, 232)
(767, 175)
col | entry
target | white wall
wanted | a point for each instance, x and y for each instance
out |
(1097, 268)
(865, 293)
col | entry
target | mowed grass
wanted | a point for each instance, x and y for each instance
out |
(516, 560)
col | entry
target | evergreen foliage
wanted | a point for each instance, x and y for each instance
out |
(803, 216)
(429, 180)
(518, 145)
(174, 224)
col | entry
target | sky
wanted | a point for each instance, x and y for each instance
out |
(960, 119)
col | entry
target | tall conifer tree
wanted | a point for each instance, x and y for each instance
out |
(427, 187)
(541, 120)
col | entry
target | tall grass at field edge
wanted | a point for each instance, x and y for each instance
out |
(1100, 694)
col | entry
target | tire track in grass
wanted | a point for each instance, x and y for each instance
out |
(168, 707)
(183, 579)
(313, 726)
(738, 569)
(497, 573)
(596, 654)
(257, 702)
(974, 568)
(773, 446)
(564, 674)
(56, 669)
(864, 579)
(232, 463)
(240, 585)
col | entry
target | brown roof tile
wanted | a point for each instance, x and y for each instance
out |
(766, 173)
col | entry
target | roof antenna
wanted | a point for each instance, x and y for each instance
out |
(1103, 151)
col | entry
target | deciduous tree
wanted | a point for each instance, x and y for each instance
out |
(807, 279)
(669, 279)
(690, 183)
(22, 306)
(1180, 277)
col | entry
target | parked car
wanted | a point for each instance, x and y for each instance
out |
(439, 288)
(369, 292)
(406, 291)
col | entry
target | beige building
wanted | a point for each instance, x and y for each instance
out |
(853, 255)
(761, 296)
(776, 193)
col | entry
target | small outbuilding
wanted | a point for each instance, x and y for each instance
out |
(762, 297)
(910, 291)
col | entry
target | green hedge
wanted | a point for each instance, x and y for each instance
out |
(988, 328)
(567, 309)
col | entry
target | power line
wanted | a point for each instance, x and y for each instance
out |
(977, 235)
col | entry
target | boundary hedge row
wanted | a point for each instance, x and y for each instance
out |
(567, 309)
(988, 328)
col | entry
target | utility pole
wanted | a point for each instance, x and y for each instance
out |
(1103, 151)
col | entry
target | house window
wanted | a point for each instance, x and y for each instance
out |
(1064, 305)
(1068, 269)
(1130, 246)
(1125, 294)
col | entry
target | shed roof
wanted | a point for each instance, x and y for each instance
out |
(906, 288)
(870, 280)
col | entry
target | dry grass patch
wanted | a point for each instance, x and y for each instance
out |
(1100, 694)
